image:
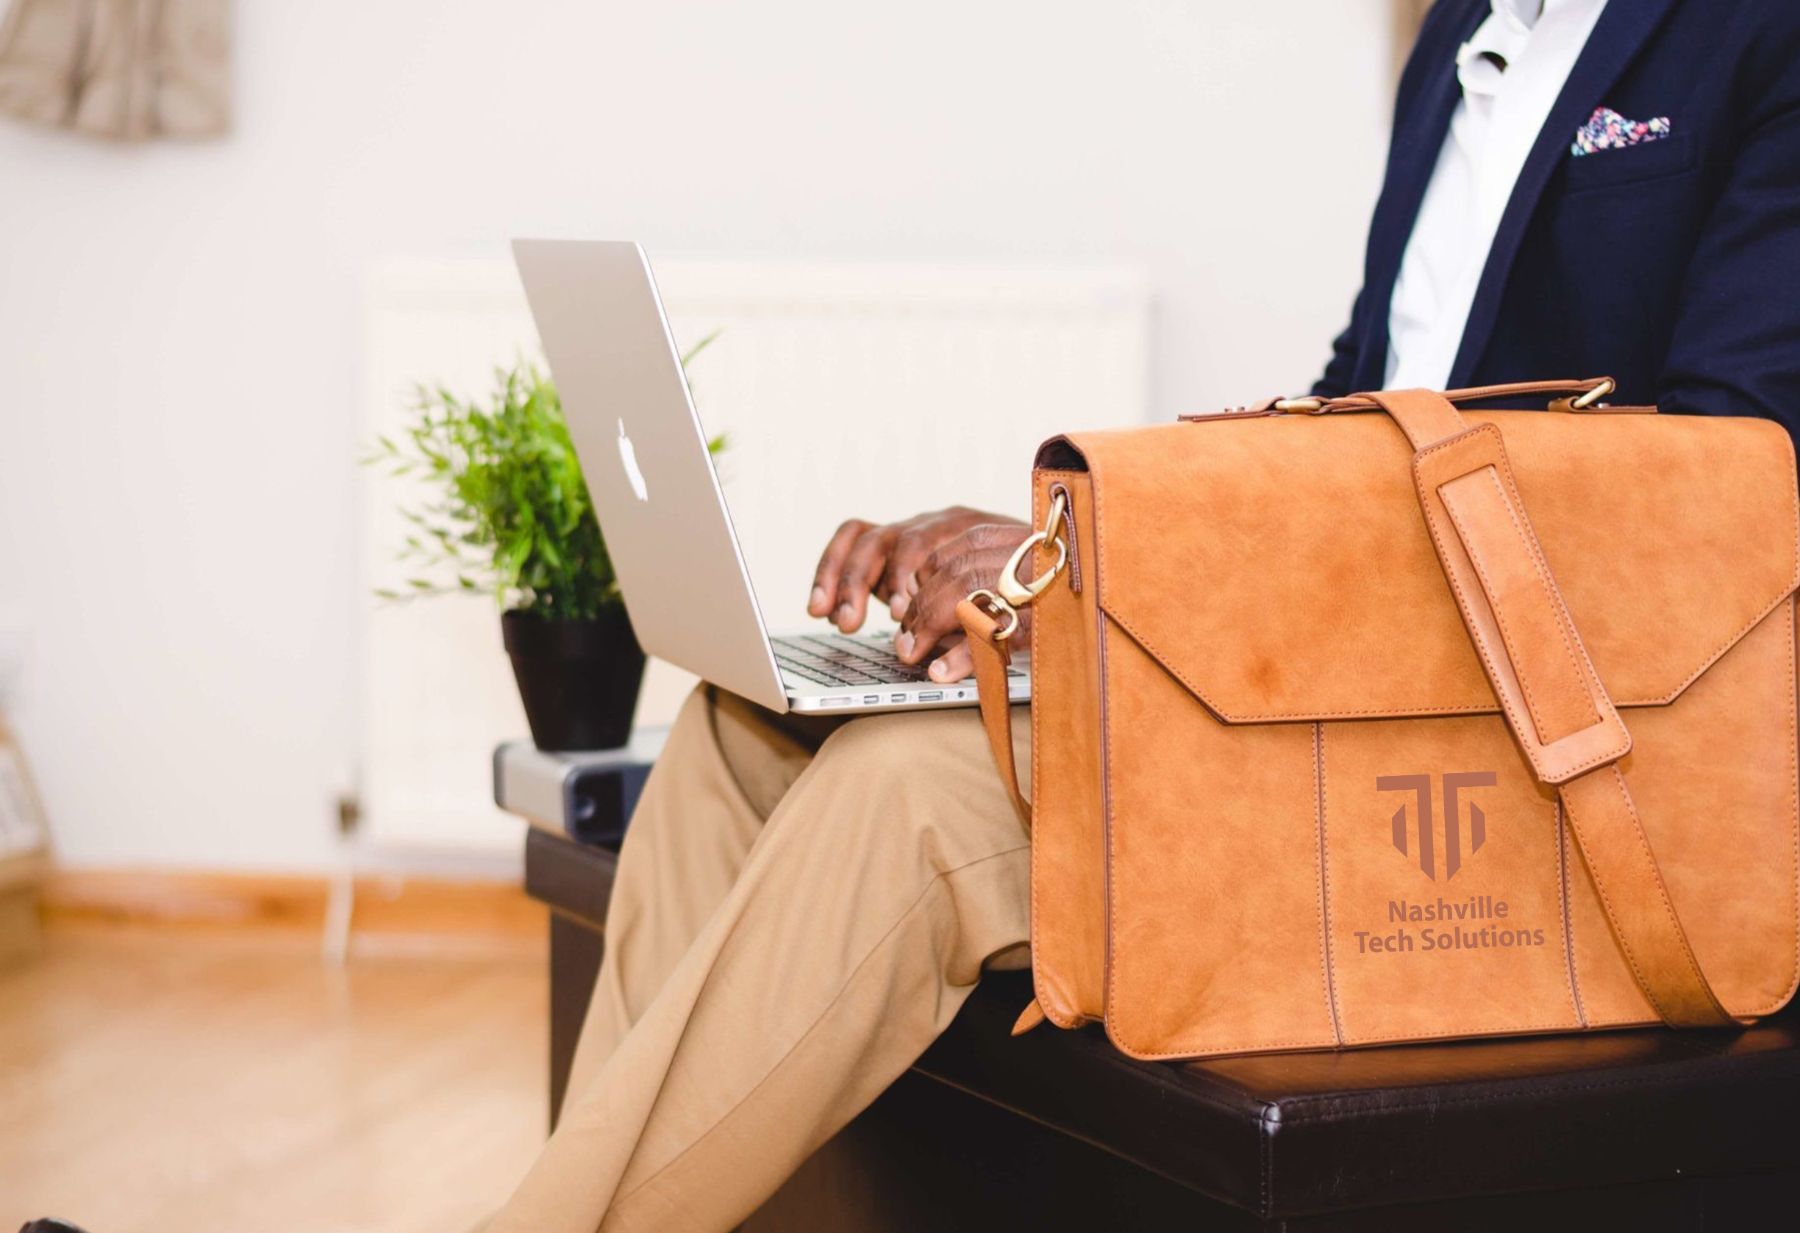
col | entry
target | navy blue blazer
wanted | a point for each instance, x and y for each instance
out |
(1673, 266)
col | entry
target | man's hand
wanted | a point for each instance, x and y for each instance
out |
(969, 562)
(951, 548)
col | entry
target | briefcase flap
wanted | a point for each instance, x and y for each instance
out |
(1279, 567)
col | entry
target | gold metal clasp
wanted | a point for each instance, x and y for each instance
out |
(1606, 386)
(1015, 592)
(1299, 406)
(996, 606)
(1019, 592)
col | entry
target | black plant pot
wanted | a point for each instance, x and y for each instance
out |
(579, 680)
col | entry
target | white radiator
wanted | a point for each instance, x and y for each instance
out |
(872, 391)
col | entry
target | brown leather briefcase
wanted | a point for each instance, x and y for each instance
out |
(1373, 720)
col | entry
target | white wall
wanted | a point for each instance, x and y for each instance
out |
(179, 330)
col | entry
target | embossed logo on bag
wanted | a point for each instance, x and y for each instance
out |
(1455, 784)
(1442, 926)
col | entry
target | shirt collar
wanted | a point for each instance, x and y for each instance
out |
(1520, 15)
(1499, 39)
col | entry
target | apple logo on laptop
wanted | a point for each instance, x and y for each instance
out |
(628, 456)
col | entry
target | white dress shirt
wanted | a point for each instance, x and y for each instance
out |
(1491, 134)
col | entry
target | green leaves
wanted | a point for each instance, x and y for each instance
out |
(688, 356)
(514, 520)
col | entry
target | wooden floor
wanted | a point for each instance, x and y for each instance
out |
(169, 1081)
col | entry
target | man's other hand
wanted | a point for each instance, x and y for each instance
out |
(864, 559)
(919, 568)
(970, 562)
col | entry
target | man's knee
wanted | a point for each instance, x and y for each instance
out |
(721, 744)
(692, 730)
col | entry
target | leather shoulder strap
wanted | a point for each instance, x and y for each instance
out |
(1554, 702)
(992, 657)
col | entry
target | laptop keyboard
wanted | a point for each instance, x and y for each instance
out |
(846, 659)
(841, 659)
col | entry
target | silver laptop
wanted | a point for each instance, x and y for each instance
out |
(643, 453)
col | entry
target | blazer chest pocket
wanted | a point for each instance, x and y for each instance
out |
(1650, 160)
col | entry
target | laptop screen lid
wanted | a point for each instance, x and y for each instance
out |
(643, 454)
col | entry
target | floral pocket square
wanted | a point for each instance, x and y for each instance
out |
(1608, 130)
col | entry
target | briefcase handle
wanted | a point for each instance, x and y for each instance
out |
(1579, 395)
(1583, 395)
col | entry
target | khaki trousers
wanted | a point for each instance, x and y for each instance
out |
(799, 912)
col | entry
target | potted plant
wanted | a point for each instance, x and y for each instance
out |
(514, 521)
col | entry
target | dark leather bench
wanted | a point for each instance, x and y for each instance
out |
(1647, 1130)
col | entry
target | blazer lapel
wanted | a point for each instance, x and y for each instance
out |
(1617, 38)
(1418, 140)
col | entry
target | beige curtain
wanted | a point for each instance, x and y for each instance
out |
(1412, 12)
(1407, 16)
(125, 69)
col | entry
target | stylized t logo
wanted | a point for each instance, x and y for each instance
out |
(1420, 787)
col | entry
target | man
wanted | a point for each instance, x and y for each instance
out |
(1575, 188)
